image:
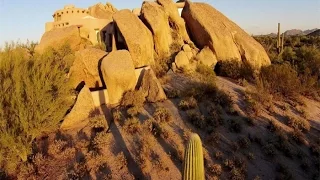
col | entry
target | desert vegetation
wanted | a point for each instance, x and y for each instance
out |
(34, 98)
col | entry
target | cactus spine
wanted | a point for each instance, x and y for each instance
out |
(193, 168)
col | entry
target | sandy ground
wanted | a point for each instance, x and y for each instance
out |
(163, 158)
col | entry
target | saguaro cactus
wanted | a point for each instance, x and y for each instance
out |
(280, 41)
(193, 168)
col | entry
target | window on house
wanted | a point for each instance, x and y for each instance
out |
(67, 23)
(82, 11)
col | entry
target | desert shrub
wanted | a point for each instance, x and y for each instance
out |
(300, 124)
(218, 155)
(172, 93)
(297, 136)
(206, 71)
(116, 114)
(161, 67)
(158, 129)
(133, 111)
(35, 95)
(121, 161)
(57, 147)
(281, 80)
(244, 142)
(196, 118)
(213, 138)
(235, 126)
(269, 150)
(235, 70)
(162, 115)
(98, 122)
(132, 99)
(100, 139)
(216, 169)
(188, 103)
(132, 125)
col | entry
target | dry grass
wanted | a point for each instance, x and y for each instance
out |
(188, 103)
(132, 125)
(162, 115)
(299, 124)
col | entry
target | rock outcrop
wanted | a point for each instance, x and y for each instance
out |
(86, 67)
(186, 48)
(156, 19)
(182, 60)
(101, 11)
(78, 116)
(209, 27)
(151, 87)
(61, 36)
(207, 57)
(137, 36)
(118, 73)
(175, 20)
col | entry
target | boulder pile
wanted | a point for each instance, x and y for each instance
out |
(152, 35)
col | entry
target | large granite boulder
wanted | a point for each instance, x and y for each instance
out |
(175, 19)
(101, 11)
(156, 19)
(82, 109)
(182, 60)
(209, 27)
(137, 37)
(56, 38)
(86, 67)
(151, 87)
(118, 74)
(207, 57)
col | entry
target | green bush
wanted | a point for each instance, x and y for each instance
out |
(34, 97)
(281, 80)
(235, 70)
(132, 99)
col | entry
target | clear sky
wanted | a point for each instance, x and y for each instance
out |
(25, 19)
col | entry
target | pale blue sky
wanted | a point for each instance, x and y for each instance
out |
(25, 19)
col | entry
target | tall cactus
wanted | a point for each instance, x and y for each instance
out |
(280, 41)
(193, 168)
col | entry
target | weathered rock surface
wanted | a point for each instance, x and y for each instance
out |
(182, 60)
(136, 11)
(209, 27)
(86, 67)
(156, 19)
(175, 20)
(207, 57)
(151, 87)
(60, 36)
(186, 48)
(78, 116)
(137, 36)
(101, 11)
(118, 73)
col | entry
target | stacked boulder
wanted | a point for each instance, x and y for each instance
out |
(137, 37)
(154, 32)
(209, 27)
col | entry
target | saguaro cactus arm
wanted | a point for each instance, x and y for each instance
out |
(193, 168)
